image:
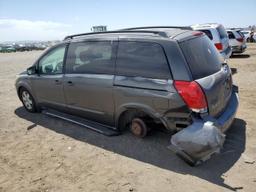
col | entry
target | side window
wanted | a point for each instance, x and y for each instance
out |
(231, 35)
(208, 33)
(142, 59)
(240, 33)
(90, 57)
(52, 62)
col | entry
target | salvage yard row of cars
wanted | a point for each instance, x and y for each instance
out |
(13, 47)
(140, 79)
(228, 41)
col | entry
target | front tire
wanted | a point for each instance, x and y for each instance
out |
(28, 100)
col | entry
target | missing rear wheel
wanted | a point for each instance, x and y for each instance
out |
(139, 128)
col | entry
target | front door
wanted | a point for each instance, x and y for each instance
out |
(48, 83)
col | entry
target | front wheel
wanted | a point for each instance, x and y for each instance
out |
(27, 100)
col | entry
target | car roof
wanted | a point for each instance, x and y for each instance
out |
(155, 32)
(205, 26)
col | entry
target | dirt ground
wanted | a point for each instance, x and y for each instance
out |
(39, 153)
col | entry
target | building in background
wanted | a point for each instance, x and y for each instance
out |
(99, 28)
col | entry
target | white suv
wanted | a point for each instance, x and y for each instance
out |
(218, 35)
(236, 41)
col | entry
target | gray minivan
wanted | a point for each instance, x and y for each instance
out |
(133, 79)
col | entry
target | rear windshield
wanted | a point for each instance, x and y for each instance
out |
(222, 32)
(202, 56)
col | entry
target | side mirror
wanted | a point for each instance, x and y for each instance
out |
(31, 70)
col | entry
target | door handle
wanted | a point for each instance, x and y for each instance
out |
(57, 82)
(70, 83)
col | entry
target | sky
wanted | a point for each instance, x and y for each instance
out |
(54, 19)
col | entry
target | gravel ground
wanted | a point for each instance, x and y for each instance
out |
(39, 153)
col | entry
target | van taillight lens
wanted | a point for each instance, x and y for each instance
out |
(219, 46)
(192, 94)
(241, 39)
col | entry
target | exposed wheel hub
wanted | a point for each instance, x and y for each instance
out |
(138, 127)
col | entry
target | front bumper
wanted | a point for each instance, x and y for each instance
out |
(205, 136)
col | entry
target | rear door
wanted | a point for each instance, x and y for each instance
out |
(88, 81)
(208, 70)
(142, 77)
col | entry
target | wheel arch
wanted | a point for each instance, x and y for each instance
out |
(27, 87)
(134, 109)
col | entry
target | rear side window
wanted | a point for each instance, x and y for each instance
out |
(90, 57)
(240, 33)
(142, 59)
(231, 35)
(208, 33)
(222, 32)
(202, 56)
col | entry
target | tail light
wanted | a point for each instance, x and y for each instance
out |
(192, 94)
(197, 33)
(241, 39)
(219, 46)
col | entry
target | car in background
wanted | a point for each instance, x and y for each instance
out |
(40, 47)
(247, 35)
(7, 49)
(237, 40)
(21, 47)
(218, 35)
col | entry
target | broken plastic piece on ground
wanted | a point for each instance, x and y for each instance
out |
(248, 159)
(233, 70)
(197, 142)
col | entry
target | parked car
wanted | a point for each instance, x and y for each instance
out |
(22, 47)
(7, 49)
(218, 35)
(247, 35)
(40, 47)
(136, 78)
(237, 41)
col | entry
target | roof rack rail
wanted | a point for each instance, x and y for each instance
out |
(234, 28)
(160, 33)
(155, 27)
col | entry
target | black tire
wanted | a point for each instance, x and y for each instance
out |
(28, 100)
(138, 128)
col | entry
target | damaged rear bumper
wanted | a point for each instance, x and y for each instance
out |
(205, 136)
